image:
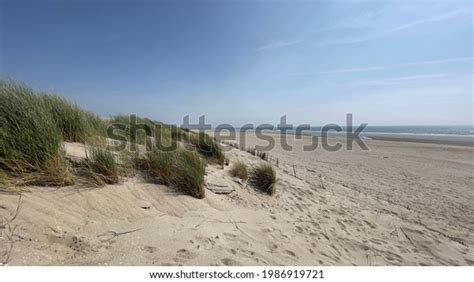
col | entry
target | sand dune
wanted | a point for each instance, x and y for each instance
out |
(397, 204)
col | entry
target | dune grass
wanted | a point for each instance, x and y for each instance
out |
(159, 165)
(239, 170)
(207, 147)
(141, 135)
(181, 169)
(74, 123)
(31, 147)
(263, 177)
(100, 165)
(188, 173)
(34, 126)
(165, 136)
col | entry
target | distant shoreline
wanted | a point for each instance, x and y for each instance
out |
(440, 139)
(457, 140)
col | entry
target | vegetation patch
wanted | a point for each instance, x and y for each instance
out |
(188, 173)
(164, 136)
(31, 145)
(100, 165)
(206, 146)
(74, 123)
(263, 177)
(159, 165)
(34, 126)
(181, 169)
(239, 170)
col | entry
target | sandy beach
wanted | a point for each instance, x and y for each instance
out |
(399, 203)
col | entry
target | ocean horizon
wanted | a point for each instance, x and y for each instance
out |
(441, 130)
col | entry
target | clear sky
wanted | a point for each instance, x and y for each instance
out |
(388, 63)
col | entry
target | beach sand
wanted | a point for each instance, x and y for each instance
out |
(396, 204)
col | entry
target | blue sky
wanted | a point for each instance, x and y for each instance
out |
(387, 62)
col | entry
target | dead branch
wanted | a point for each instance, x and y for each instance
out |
(114, 234)
(8, 252)
(14, 215)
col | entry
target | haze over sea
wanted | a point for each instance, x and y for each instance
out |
(415, 129)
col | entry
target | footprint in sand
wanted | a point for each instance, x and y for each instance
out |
(77, 244)
(233, 238)
(377, 241)
(149, 249)
(299, 229)
(266, 230)
(272, 247)
(230, 262)
(184, 254)
(371, 225)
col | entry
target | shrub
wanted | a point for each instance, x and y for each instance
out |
(239, 169)
(30, 143)
(102, 166)
(188, 173)
(263, 177)
(206, 146)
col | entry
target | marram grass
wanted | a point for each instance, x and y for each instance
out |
(101, 166)
(207, 147)
(263, 177)
(34, 126)
(239, 170)
(182, 169)
(31, 145)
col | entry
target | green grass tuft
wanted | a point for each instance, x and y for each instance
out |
(159, 165)
(239, 170)
(181, 169)
(74, 123)
(31, 147)
(188, 173)
(206, 146)
(263, 177)
(101, 166)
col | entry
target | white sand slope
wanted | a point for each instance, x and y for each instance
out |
(339, 210)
